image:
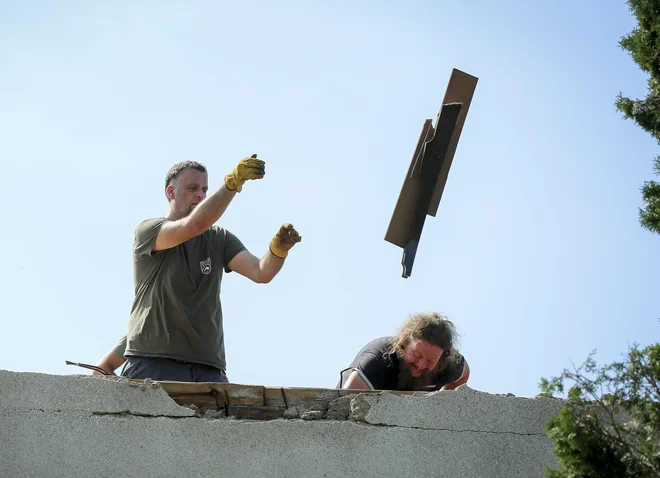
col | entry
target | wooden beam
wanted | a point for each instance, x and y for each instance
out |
(248, 412)
(253, 401)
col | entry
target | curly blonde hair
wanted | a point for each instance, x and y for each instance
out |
(432, 327)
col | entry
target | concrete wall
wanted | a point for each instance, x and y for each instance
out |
(83, 426)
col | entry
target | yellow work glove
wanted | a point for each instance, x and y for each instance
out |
(285, 239)
(247, 168)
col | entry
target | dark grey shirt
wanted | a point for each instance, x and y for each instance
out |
(379, 367)
(176, 312)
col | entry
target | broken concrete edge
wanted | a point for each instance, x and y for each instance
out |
(85, 394)
(60, 426)
(460, 410)
(463, 409)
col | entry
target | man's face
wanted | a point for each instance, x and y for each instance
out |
(189, 190)
(421, 357)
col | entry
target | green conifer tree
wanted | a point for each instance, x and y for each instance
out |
(643, 44)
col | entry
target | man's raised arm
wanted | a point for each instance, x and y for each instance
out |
(178, 230)
(263, 270)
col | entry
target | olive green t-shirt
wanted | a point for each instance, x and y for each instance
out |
(176, 312)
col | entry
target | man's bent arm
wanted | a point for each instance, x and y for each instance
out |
(110, 362)
(355, 382)
(261, 270)
(461, 380)
(207, 212)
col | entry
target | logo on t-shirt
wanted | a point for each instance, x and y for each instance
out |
(206, 266)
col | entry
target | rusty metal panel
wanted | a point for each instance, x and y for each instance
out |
(460, 90)
(398, 231)
(433, 157)
(423, 185)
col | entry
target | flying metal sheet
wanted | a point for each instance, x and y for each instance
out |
(405, 225)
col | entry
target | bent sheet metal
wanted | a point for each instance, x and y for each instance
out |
(429, 168)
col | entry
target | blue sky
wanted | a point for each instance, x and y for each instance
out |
(536, 252)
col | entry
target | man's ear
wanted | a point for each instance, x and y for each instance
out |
(169, 192)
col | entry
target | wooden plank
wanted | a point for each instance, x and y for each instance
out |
(309, 396)
(253, 401)
(204, 402)
(236, 394)
(189, 387)
(285, 397)
(250, 412)
(274, 397)
(239, 394)
(344, 392)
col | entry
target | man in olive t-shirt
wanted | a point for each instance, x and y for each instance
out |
(175, 329)
(176, 312)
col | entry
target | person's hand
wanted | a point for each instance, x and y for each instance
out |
(99, 374)
(246, 169)
(284, 240)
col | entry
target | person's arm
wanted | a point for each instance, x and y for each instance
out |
(113, 359)
(355, 382)
(461, 380)
(110, 362)
(263, 270)
(209, 210)
(370, 370)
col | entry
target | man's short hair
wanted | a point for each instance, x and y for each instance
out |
(175, 171)
(432, 327)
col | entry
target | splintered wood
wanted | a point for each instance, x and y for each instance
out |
(253, 401)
